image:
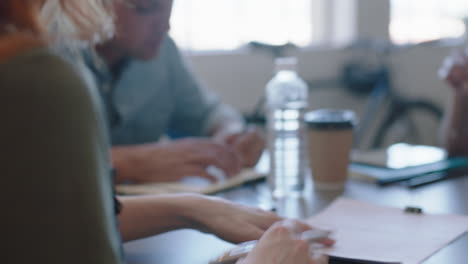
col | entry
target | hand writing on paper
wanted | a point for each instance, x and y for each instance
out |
(171, 161)
(248, 145)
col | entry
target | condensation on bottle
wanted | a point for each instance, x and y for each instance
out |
(286, 103)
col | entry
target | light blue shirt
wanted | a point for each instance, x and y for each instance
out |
(158, 97)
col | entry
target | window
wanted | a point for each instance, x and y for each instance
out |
(229, 24)
(415, 21)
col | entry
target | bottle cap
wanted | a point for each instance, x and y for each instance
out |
(286, 64)
(330, 119)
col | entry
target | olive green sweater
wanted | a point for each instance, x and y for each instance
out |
(55, 185)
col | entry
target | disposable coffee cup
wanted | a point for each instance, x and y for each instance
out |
(330, 138)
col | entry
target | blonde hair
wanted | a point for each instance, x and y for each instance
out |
(79, 21)
(66, 21)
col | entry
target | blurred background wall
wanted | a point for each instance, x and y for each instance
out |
(239, 75)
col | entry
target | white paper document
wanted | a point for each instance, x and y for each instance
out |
(371, 232)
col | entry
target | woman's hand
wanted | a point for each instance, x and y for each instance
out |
(281, 245)
(144, 216)
(229, 221)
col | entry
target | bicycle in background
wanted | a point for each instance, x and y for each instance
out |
(388, 116)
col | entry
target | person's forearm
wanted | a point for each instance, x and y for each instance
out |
(145, 216)
(125, 160)
(455, 127)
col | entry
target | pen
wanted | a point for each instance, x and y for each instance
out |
(432, 178)
(242, 250)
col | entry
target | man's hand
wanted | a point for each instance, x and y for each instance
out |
(171, 161)
(248, 146)
(455, 126)
(454, 71)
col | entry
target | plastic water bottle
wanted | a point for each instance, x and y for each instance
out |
(287, 101)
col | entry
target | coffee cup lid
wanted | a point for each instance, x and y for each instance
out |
(330, 119)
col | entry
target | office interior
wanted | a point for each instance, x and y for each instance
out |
(408, 38)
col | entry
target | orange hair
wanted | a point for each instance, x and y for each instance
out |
(23, 14)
